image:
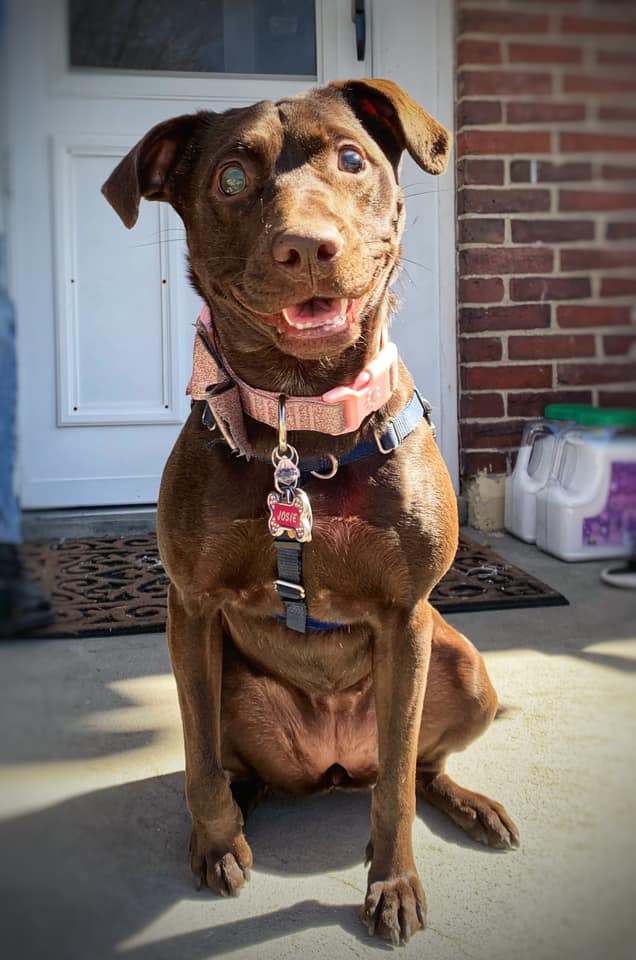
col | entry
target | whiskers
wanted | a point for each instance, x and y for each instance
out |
(413, 190)
(161, 237)
(384, 248)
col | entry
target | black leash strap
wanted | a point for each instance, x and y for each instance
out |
(289, 584)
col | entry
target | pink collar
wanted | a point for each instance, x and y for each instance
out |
(340, 410)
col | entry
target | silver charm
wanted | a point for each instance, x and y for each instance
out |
(286, 472)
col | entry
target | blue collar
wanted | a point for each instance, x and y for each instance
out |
(394, 432)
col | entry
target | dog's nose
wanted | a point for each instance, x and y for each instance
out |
(295, 250)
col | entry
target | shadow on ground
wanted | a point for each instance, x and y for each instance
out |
(129, 845)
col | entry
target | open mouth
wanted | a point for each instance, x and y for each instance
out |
(321, 315)
(314, 321)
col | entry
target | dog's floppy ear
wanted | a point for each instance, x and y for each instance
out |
(398, 123)
(146, 171)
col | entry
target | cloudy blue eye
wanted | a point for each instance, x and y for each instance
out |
(350, 160)
(232, 180)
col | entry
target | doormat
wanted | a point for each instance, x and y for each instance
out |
(117, 585)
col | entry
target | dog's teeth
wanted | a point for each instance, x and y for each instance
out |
(308, 323)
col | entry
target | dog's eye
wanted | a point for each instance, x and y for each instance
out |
(350, 160)
(232, 180)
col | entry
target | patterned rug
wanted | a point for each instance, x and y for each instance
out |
(118, 585)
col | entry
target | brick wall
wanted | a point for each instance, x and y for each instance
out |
(546, 155)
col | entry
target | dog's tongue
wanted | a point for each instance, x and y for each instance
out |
(317, 312)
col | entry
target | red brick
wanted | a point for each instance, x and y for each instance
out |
(500, 434)
(595, 259)
(616, 56)
(499, 83)
(549, 288)
(478, 51)
(539, 112)
(501, 377)
(621, 25)
(592, 316)
(587, 374)
(481, 405)
(617, 398)
(498, 260)
(481, 172)
(588, 142)
(551, 231)
(539, 53)
(596, 84)
(595, 200)
(492, 461)
(550, 346)
(481, 290)
(532, 404)
(618, 286)
(514, 317)
(616, 113)
(501, 21)
(472, 113)
(619, 344)
(481, 230)
(473, 349)
(545, 172)
(503, 201)
(485, 142)
(620, 231)
(611, 171)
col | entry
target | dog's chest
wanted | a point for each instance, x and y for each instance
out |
(377, 538)
(350, 562)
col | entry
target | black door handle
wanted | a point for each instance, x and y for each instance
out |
(359, 17)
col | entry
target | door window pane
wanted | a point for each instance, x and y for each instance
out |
(208, 36)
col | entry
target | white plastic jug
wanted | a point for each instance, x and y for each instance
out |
(530, 475)
(588, 508)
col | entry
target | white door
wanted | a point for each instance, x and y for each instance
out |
(104, 315)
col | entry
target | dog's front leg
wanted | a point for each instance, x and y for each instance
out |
(395, 905)
(219, 853)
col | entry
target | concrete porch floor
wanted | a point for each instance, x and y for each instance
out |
(93, 826)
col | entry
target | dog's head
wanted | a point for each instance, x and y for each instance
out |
(293, 211)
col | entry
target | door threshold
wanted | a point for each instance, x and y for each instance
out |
(110, 522)
(82, 522)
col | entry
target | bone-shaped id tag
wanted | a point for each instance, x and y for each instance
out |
(290, 514)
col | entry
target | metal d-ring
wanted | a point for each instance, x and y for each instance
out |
(282, 426)
(332, 472)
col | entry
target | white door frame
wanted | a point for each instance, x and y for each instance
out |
(397, 55)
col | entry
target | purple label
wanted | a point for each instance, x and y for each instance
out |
(616, 525)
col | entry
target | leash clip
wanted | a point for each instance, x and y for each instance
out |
(282, 426)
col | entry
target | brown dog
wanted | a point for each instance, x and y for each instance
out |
(293, 216)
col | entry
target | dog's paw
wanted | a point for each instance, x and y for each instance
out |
(395, 909)
(487, 822)
(483, 819)
(224, 868)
